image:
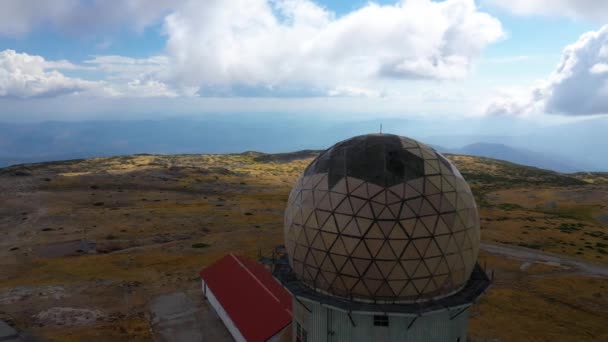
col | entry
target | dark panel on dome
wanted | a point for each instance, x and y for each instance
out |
(376, 158)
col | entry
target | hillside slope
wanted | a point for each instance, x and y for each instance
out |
(517, 155)
(104, 238)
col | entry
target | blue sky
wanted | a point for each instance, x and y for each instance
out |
(454, 59)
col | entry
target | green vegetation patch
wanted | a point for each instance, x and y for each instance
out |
(571, 227)
(508, 174)
(595, 233)
(529, 245)
(200, 245)
(509, 206)
(579, 213)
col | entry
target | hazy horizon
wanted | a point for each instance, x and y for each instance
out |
(294, 74)
(533, 144)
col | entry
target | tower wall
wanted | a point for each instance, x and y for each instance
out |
(327, 324)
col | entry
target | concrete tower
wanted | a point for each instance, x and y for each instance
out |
(381, 237)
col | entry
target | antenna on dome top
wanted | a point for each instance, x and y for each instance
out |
(380, 128)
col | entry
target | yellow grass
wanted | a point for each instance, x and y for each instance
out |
(156, 208)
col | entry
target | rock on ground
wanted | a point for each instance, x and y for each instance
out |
(68, 316)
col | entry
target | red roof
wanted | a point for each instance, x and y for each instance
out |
(257, 304)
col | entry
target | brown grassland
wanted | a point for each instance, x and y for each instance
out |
(157, 220)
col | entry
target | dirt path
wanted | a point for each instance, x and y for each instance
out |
(531, 255)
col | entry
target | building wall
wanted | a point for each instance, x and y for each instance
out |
(236, 334)
(282, 336)
(325, 324)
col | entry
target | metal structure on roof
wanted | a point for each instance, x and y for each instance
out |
(474, 287)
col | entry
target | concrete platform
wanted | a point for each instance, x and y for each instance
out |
(177, 317)
(8, 334)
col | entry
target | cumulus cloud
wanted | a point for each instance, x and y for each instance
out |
(599, 68)
(291, 45)
(23, 75)
(596, 10)
(578, 86)
(136, 77)
(268, 48)
(103, 15)
(19, 17)
(124, 68)
(135, 88)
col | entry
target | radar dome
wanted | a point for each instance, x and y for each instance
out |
(382, 218)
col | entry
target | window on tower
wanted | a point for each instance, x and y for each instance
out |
(381, 320)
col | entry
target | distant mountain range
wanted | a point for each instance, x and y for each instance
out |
(556, 148)
(515, 155)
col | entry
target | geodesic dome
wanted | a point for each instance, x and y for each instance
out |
(384, 218)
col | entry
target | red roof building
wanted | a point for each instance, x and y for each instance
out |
(251, 303)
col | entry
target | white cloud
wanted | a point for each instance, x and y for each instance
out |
(27, 76)
(18, 17)
(126, 68)
(351, 91)
(23, 75)
(63, 65)
(136, 77)
(578, 86)
(514, 101)
(268, 48)
(133, 89)
(599, 68)
(295, 45)
(595, 10)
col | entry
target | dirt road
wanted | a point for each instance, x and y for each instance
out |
(531, 255)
